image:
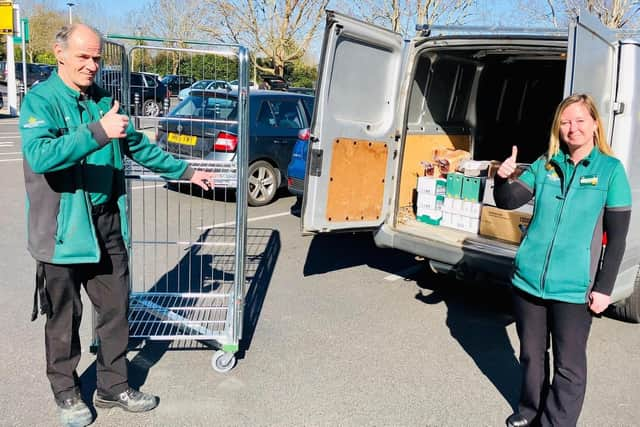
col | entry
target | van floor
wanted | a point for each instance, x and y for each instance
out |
(407, 223)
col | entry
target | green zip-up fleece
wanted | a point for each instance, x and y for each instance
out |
(559, 255)
(70, 164)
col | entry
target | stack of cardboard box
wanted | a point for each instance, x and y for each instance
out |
(462, 205)
(457, 192)
(430, 199)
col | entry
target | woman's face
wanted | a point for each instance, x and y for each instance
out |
(577, 127)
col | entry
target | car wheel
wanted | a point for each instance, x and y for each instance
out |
(150, 108)
(263, 183)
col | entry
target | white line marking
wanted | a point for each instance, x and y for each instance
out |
(11, 160)
(12, 152)
(9, 135)
(257, 218)
(404, 273)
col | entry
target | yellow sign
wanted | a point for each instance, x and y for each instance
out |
(6, 18)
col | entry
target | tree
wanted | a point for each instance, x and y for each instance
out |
(613, 13)
(178, 21)
(280, 30)
(43, 25)
(401, 16)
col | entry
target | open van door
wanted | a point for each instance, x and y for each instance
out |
(592, 64)
(355, 134)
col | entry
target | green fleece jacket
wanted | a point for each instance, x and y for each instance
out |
(559, 256)
(70, 164)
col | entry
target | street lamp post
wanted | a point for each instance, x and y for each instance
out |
(70, 5)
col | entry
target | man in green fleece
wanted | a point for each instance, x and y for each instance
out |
(74, 138)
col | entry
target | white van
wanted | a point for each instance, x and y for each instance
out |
(384, 103)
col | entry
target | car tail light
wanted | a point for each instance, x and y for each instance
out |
(304, 134)
(225, 142)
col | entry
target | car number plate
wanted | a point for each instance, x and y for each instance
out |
(182, 139)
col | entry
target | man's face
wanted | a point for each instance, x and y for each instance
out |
(78, 62)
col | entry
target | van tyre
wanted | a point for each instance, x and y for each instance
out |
(628, 309)
(263, 183)
(151, 108)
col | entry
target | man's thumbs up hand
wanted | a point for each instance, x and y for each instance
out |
(114, 124)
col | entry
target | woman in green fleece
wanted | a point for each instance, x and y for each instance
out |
(581, 192)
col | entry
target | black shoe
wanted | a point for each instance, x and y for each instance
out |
(517, 420)
(130, 400)
(74, 412)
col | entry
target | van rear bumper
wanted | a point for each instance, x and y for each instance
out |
(474, 254)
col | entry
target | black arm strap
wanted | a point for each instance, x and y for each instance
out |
(616, 225)
(41, 291)
(510, 194)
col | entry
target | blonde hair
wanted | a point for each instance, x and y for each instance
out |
(599, 138)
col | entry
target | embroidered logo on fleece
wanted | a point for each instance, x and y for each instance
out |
(32, 122)
(589, 180)
(553, 176)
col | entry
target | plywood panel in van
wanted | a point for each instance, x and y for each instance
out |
(418, 148)
(356, 183)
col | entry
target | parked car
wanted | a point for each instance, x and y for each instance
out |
(234, 84)
(303, 90)
(298, 164)
(274, 121)
(204, 85)
(35, 73)
(177, 82)
(152, 91)
(273, 82)
(387, 103)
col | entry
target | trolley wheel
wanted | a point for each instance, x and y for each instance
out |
(223, 362)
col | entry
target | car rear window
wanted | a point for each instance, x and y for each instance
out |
(207, 107)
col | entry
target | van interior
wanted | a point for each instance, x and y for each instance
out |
(484, 100)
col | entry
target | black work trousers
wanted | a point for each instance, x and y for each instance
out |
(106, 284)
(557, 401)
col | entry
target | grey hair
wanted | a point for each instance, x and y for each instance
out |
(62, 37)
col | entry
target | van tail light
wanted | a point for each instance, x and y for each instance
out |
(304, 134)
(225, 142)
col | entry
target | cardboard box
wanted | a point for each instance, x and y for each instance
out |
(503, 224)
(487, 196)
(429, 201)
(472, 188)
(454, 185)
(430, 185)
(471, 209)
(433, 217)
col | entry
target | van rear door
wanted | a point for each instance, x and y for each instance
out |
(592, 64)
(355, 135)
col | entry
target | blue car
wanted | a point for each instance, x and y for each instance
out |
(298, 164)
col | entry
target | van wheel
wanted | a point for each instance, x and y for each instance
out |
(628, 310)
(263, 183)
(150, 108)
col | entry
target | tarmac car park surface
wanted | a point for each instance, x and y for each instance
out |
(338, 332)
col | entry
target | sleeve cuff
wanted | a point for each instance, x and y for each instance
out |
(98, 133)
(188, 173)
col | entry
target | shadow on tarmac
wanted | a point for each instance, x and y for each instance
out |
(477, 317)
(477, 313)
(198, 271)
(331, 252)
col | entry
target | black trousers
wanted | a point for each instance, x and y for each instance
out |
(557, 401)
(106, 284)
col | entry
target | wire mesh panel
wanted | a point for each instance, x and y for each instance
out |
(187, 246)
